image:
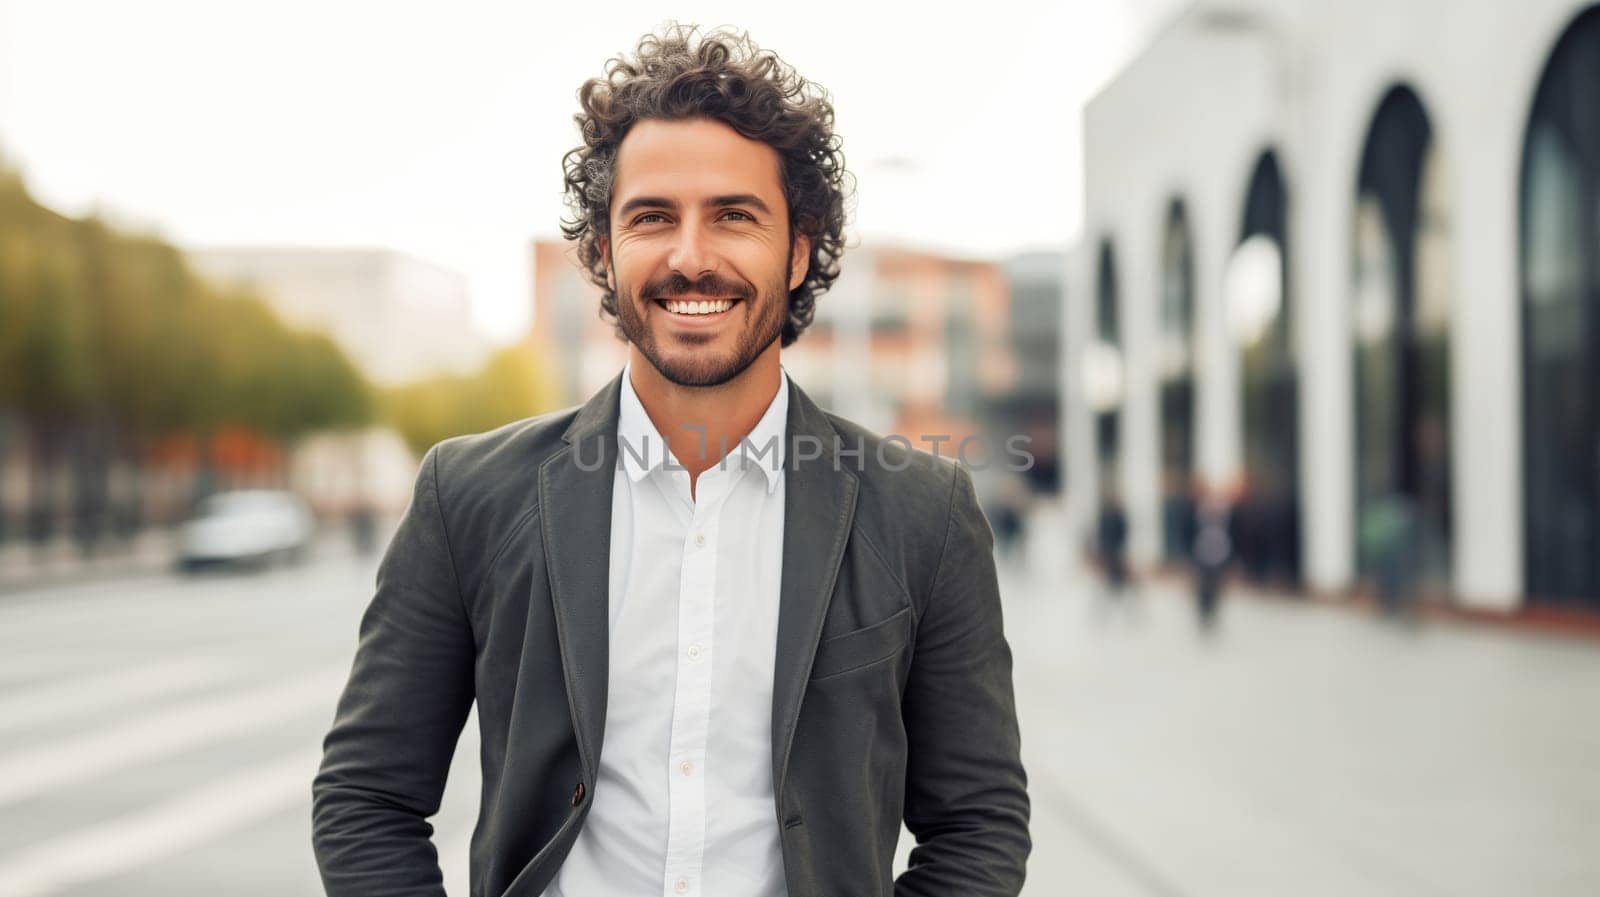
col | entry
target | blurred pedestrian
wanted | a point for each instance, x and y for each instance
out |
(364, 529)
(1008, 509)
(1212, 550)
(1111, 547)
(1008, 529)
(1390, 540)
(1249, 531)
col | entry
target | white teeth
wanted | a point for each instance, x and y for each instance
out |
(706, 307)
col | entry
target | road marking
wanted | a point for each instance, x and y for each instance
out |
(36, 770)
(160, 831)
(35, 706)
(29, 659)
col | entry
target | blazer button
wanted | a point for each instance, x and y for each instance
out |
(577, 794)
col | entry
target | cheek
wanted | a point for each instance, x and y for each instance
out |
(625, 277)
(632, 258)
(765, 269)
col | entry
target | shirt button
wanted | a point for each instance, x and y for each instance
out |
(700, 540)
(688, 768)
(681, 885)
(694, 653)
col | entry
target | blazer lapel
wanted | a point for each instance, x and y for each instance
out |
(575, 522)
(819, 506)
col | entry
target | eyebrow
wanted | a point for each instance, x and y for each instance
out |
(715, 202)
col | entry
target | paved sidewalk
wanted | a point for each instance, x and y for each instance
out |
(24, 566)
(1307, 749)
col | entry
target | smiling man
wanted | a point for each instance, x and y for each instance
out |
(722, 642)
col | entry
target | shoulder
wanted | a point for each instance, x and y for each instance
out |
(487, 483)
(489, 461)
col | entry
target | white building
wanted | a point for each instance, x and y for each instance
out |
(1350, 251)
(400, 318)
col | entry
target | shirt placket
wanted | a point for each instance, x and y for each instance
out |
(686, 826)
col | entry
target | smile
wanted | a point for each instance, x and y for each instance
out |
(696, 307)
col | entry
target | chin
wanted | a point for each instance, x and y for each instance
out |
(699, 371)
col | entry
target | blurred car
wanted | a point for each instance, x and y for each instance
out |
(248, 527)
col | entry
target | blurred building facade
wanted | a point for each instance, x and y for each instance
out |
(926, 346)
(401, 318)
(343, 473)
(581, 350)
(1033, 405)
(1342, 258)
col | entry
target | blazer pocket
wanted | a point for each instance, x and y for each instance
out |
(863, 647)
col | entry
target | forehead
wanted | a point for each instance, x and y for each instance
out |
(692, 159)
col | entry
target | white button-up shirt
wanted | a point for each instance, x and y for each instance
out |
(683, 804)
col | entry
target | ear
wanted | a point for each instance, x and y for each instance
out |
(605, 259)
(799, 261)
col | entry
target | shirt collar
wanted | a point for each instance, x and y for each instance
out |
(643, 449)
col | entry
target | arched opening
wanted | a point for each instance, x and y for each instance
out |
(1103, 376)
(1400, 316)
(1267, 518)
(1176, 362)
(1559, 267)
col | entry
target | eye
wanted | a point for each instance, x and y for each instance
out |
(744, 215)
(650, 218)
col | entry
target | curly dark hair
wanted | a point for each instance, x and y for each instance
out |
(679, 74)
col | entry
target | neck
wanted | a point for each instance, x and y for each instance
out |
(697, 422)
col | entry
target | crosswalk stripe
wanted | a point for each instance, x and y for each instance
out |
(35, 706)
(40, 768)
(29, 659)
(152, 834)
(75, 608)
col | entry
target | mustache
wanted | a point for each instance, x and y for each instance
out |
(707, 284)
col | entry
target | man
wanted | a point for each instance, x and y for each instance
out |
(1111, 540)
(722, 642)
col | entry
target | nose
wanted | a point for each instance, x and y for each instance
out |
(690, 255)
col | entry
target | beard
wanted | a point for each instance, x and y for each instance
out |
(692, 359)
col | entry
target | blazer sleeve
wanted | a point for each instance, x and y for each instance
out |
(386, 757)
(966, 792)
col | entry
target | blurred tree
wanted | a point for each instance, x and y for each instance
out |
(108, 342)
(512, 384)
(45, 362)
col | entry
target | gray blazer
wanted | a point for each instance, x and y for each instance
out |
(892, 692)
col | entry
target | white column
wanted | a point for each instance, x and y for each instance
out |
(1079, 471)
(1320, 205)
(1486, 363)
(1138, 268)
(1219, 453)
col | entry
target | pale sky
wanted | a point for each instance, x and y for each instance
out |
(440, 133)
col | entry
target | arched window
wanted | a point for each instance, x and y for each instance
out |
(1255, 291)
(1176, 364)
(1560, 275)
(1400, 321)
(1103, 374)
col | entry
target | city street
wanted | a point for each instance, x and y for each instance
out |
(1300, 293)
(158, 736)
